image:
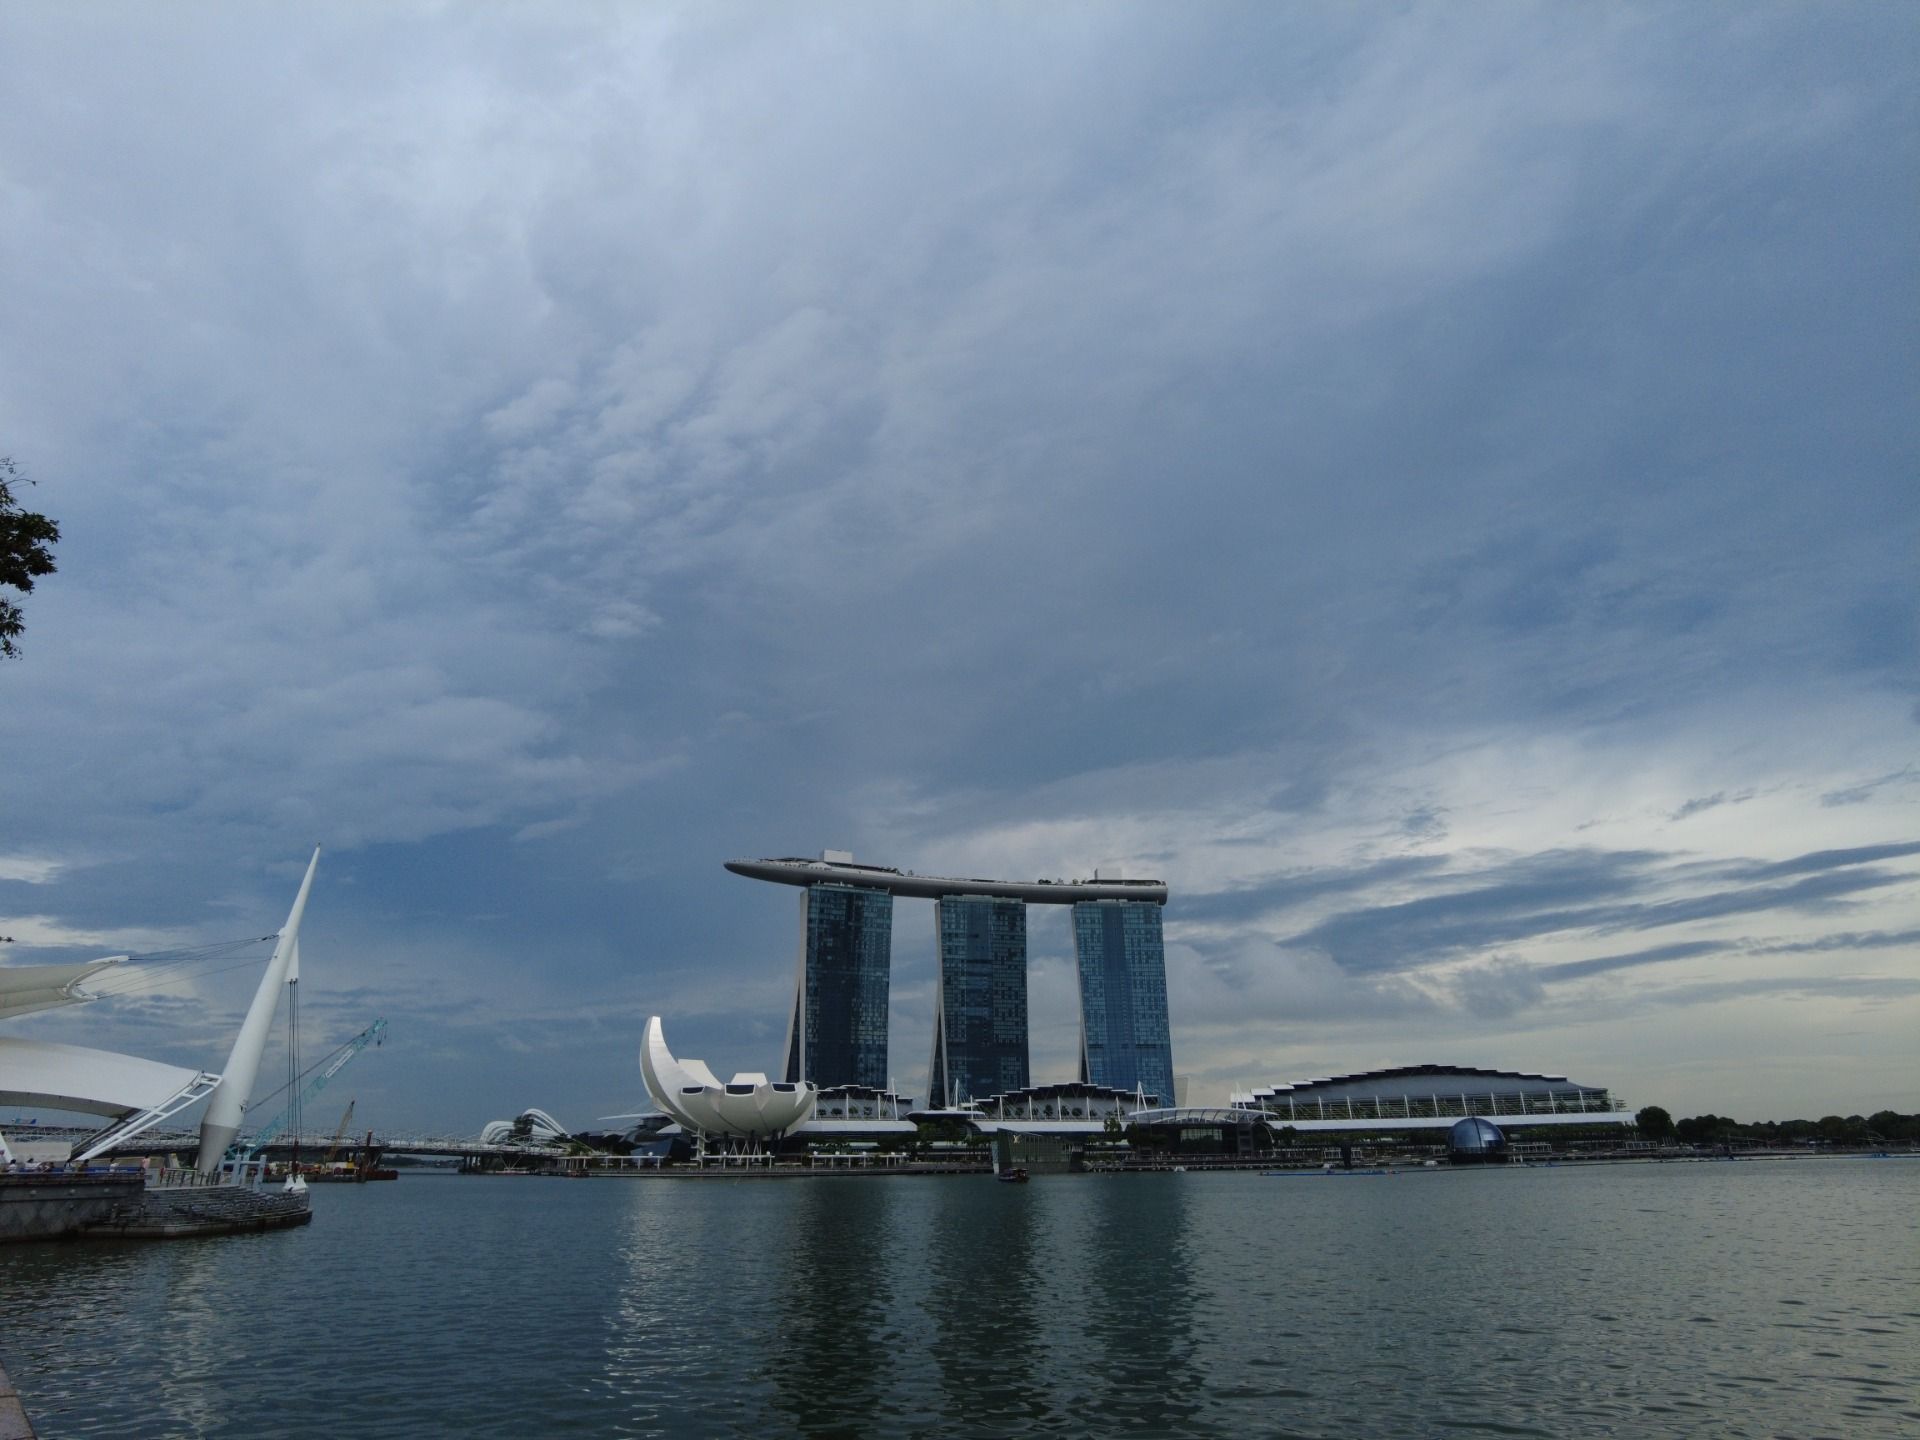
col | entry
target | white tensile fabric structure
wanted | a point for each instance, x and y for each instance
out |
(748, 1107)
(27, 988)
(131, 1092)
(220, 1125)
(93, 1082)
(136, 1094)
(531, 1127)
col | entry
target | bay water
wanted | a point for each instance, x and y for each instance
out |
(1767, 1298)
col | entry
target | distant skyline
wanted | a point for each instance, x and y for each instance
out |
(1434, 485)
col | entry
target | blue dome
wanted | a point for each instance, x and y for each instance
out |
(1475, 1136)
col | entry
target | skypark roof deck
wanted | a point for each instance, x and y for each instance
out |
(797, 871)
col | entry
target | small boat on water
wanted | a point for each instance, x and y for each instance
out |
(1017, 1175)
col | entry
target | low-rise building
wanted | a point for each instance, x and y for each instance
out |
(1423, 1097)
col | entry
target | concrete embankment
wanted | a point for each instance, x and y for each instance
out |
(13, 1415)
(119, 1206)
(738, 1172)
(53, 1206)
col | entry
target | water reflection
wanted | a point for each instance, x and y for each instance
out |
(185, 1314)
(984, 1272)
(831, 1273)
(640, 1325)
(212, 1335)
(1136, 1257)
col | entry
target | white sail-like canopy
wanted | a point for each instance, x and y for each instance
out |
(130, 1092)
(221, 1123)
(92, 1082)
(136, 1094)
(27, 988)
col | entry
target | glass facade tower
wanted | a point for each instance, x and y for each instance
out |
(838, 1033)
(1124, 1037)
(980, 1000)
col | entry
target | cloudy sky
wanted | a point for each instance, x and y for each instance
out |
(1436, 484)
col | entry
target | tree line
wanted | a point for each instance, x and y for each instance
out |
(26, 553)
(1881, 1127)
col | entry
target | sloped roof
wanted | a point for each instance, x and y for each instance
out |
(27, 988)
(93, 1082)
(1398, 1072)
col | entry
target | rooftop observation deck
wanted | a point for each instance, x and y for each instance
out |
(796, 871)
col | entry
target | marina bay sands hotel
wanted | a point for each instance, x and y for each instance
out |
(837, 1034)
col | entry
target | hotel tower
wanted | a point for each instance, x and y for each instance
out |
(837, 1032)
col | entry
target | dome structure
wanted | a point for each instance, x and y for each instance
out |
(748, 1107)
(1476, 1140)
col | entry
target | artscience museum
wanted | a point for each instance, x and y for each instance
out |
(747, 1109)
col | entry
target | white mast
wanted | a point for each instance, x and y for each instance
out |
(222, 1120)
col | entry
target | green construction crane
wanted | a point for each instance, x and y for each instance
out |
(327, 1068)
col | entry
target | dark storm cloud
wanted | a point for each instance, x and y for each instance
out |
(1530, 896)
(1859, 794)
(1813, 895)
(1588, 891)
(1656, 955)
(1821, 860)
(1845, 940)
(1868, 989)
(1281, 893)
(1709, 802)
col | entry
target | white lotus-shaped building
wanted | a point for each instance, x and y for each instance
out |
(748, 1107)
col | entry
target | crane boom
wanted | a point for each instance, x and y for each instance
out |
(339, 1130)
(327, 1070)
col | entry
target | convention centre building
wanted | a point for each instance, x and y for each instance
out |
(1433, 1097)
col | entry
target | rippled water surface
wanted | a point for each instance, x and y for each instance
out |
(1764, 1298)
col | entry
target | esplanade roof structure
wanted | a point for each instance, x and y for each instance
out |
(131, 1093)
(794, 870)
